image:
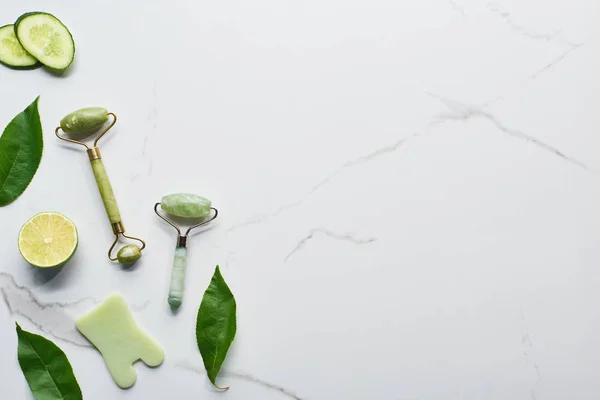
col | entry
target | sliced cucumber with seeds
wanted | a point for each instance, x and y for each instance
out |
(11, 51)
(47, 39)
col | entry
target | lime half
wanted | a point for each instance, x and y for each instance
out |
(48, 239)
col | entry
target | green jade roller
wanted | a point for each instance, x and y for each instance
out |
(187, 206)
(82, 123)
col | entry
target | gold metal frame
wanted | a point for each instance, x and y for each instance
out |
(117, 241)
(104, 132)
(182, 239)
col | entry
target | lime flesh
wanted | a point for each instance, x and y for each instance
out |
(48, 240)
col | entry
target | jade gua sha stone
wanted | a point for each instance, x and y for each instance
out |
(114, 332)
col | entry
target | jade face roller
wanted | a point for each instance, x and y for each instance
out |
(183, 206)
(85, 122)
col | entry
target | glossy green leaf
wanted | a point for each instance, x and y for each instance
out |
(21, 147)
(46, 368)
(216, 325)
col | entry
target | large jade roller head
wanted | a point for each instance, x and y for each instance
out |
(193, 208)
(78, 125)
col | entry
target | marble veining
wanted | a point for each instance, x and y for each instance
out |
(464, 112)
(56, 319)
(184, 365)
(407, 190)
(258, 219)
(457, 7)
(497, 8)
(571, 48)
(457, 112)
(346, 237)
(527, 343)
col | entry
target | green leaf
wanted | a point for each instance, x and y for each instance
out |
(46, 368)
(21, 147)
(216, 325)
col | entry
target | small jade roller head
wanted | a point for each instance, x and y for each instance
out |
(183, 205)
(129, 254)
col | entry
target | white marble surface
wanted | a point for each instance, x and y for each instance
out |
(409, 194)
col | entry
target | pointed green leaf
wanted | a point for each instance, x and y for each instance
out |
(46, 368)
(21, 147)
(216, 325)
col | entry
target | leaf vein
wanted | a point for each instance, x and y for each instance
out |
(45, 367)
(6, 155)
(11, 167)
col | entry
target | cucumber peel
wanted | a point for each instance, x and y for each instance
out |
(12, 53)
(46, 38)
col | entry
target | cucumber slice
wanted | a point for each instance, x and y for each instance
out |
(47, 39)
(11, 51)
